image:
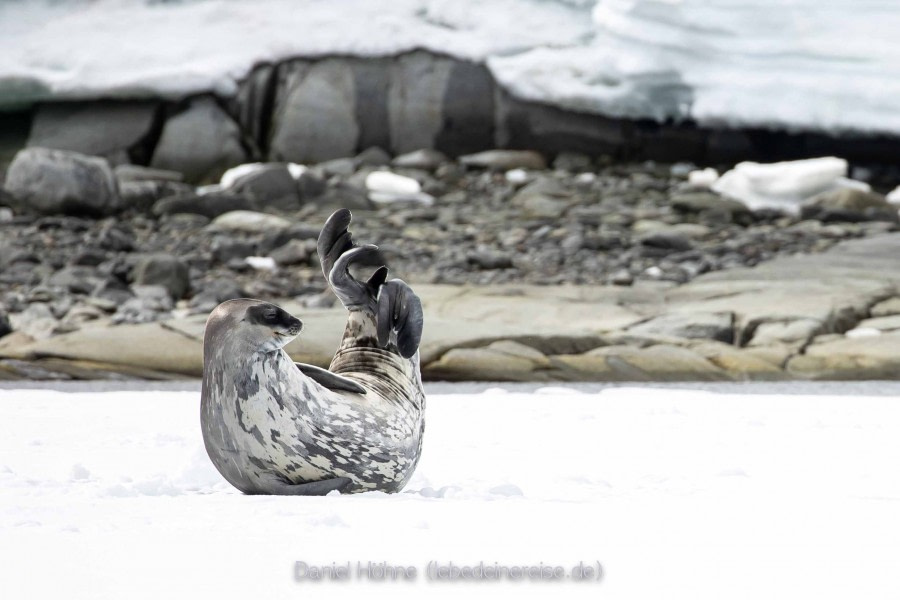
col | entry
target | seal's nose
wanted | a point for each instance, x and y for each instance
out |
(296, 326)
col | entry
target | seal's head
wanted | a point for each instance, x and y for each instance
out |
(254, 325)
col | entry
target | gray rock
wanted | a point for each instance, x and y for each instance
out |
(886, 308)
(5, 327)
(467, 111)
(143, 195)
(373, 157)
(712, 326)
(116, 130)
(226, 249)
(315, 114)
(425, 159)
(62, 182)
(883, 324)
(201, 142)
(252, 105)
(543, 198)
(112, 291)
(504, 160)
(415, 100)
(847, 204)
(622, 277)
(247, 221)
(344, 196)
(371, 81)
(37, 321)
(163, 270)
(295, 252)
(712, 206)
(310, 186)
(792, 333)
(278, 238)
(342, 167)
(490, 259)
(208, 205)
(522, 124)
(214, 293)
(76, 279)
(666, 241)
(850, 358)
(572, 162)
(269, 187)
(133, 173)
(146, 305)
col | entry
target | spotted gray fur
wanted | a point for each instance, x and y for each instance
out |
(267, 426)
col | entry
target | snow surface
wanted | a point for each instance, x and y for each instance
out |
(678, 493)
(796, 64)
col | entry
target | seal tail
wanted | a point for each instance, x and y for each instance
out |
(399, 318)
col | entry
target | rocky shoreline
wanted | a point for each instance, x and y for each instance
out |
(127, 261)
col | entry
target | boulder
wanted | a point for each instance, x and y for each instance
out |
(467, 109)
(315, 113)
(62, 182)
(163, 270)
(848, 204)
(416, 100)
(201, 142)
(120, 131)
(269, 187)
(252, 104)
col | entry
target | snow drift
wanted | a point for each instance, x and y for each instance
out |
(793, 64)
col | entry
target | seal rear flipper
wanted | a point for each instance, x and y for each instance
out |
(337, 252)
(399, 312)
(275, 487)
(330, 380)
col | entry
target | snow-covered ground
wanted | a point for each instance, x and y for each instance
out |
(797, 64)
(677, 493)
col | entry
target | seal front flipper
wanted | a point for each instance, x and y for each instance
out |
(330, 380)
(399, 313)
(275, 487)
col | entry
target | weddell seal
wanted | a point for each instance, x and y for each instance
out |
(272, 426)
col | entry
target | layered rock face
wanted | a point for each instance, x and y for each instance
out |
(312, 110)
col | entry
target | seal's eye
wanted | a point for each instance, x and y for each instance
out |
(271, 316)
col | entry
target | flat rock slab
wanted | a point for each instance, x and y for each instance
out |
(789, 316)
